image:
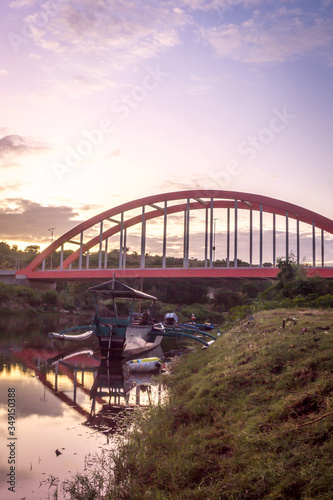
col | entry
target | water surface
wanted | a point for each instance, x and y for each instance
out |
(69, 403)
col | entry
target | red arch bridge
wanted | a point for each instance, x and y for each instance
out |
(214, 233)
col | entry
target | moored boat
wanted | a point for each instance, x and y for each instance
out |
(127, 334)
(132, 332)
(119, 335)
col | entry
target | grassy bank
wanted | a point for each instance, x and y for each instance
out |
(249, 418)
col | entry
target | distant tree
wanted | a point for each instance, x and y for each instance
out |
(4, 248)
(177, 291)
(32, 249)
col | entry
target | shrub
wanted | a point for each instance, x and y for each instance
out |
(202, 313)
(50, 298)
(31, 295)
(227, 299)
(66, 301)
(6, 291)
(324, 301)
(250, 289)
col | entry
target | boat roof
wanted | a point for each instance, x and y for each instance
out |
(115, 288)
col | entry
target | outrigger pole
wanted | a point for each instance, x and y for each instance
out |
(184, 332)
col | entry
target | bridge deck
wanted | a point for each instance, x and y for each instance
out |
(213, 272)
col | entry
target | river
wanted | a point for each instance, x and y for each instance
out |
(58, 403)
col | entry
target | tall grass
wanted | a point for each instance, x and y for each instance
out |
(249, 418)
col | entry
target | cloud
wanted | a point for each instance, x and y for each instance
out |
(18, 4)
(175, 242)
(12, 186)
(13, 146)
(272, 37)
(201, 85)
(223, 5)
(28, 221)
(117, 33)
(196, 181)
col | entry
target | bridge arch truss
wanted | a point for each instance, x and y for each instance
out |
(97, 231)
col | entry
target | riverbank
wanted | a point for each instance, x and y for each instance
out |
(22, 299)
(251, 417)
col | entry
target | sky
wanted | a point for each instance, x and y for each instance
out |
(106, 101)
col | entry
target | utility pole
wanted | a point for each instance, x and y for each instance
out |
(214, 238)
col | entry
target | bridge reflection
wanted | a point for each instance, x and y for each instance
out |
(101, 390)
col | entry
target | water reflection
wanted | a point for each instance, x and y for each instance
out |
(111, 387)
(83, 380)
(69, 400)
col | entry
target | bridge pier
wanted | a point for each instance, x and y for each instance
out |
(11, 277)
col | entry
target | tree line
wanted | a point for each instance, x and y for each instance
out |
(11, 257)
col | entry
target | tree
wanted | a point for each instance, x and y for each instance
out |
(4, 248)
(289, 270)
(32, 249)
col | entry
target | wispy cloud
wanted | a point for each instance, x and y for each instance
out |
(272, 37)
(201, 85)
(14, 146)
(197, 181)
(226, 5)
(18, 4)
(116, 33)
(12, 186)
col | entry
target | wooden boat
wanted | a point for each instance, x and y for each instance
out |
(119, 335)
(126, 335)
(131, 333)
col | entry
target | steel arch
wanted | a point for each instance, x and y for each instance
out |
(195, 199)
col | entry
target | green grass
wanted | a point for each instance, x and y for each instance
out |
(249, 418)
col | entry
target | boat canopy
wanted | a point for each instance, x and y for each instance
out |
(115, 288)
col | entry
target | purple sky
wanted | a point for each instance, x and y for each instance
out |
(108, 101)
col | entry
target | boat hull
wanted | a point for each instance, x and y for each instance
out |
(138, 339)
